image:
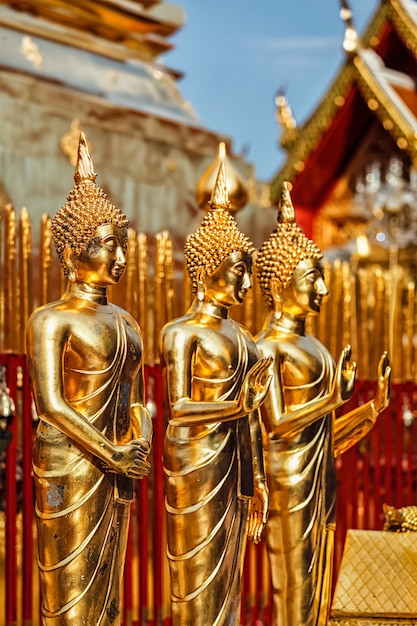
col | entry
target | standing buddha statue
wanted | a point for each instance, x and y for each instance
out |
(94, 432)
(303, 435)
(216, 494)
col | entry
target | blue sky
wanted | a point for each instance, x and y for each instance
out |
(235, 54)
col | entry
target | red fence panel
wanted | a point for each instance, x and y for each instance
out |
(381, 468)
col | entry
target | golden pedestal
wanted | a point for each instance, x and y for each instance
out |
(377, 583)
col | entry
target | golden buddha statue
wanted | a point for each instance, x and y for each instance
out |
(216, 494)
(303, 436)
(94, 432)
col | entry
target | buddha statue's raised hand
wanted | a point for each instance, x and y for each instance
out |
(382, 395)
(255, 386)
(344, 378)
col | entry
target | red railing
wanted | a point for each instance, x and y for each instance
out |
(381, 468)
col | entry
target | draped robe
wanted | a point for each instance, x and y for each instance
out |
(83, 511)
(301, 522)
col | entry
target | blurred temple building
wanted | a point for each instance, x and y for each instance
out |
(96, 65)
(353, 170)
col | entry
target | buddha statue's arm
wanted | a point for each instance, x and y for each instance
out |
(178, 352)
(142, 427)
(47, 338)
(259, 504)
(282, 423)
(351, 427)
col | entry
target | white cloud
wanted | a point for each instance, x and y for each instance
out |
(295, 44)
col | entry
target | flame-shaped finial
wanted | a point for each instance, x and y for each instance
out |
(286, 211)
(351, 42)
(220, 197)
(84, 169)
(285, 118)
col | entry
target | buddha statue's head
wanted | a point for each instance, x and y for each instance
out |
(86, 209)
(288, 257)
(218, 242)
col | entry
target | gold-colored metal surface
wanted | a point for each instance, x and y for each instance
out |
(298, 413)
(377, 579)
(216, 493)
(236, 189)
(400, 520)
(94, 433)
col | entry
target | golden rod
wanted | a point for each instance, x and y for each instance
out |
(25, 277)
(158, 302)
(131, 294)
(10, 292)
(346, 308)
(408, 317)
(366, 296)
(46, 242)
(2, 276)
(169, 278)
(335, 304)
(143, 285)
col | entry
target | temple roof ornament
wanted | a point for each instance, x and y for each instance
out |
(285, 119)
(378, 77)
(351, 42)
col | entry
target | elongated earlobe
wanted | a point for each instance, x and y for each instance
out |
(275, 287)
(201, 285)
(69, 264)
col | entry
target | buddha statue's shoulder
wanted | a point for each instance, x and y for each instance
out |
(51, 309)
(179, 329)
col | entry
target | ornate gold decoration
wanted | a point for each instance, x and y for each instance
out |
(400, 520)
(351, 43)
(236, 189)
(380, 103)
(310, 134)
(218, 235)
(303, 436)
(86, 208)
(392, 11)
(377, 580)
(85, 359)
(285, 119)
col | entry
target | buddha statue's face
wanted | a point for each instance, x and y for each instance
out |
(231, 280)
(305, 293)
(103, 261)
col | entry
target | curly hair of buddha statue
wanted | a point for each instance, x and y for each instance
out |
(86, 208)
(285, 248)
(217, 237)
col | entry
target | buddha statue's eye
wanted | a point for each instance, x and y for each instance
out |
(240, 269)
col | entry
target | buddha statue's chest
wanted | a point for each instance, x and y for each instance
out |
(100, 345)
(306, 372)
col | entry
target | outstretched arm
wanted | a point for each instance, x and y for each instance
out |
(178, 353)
(288, 423)
(350, 428)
